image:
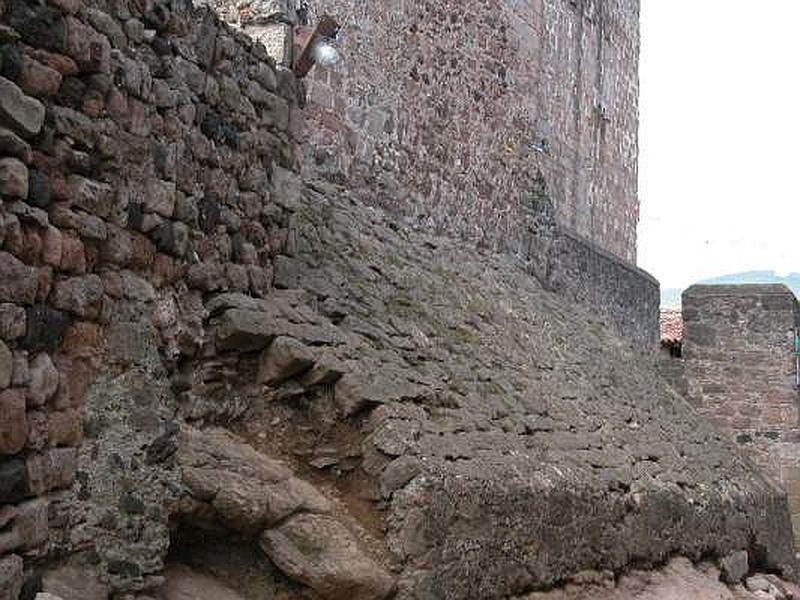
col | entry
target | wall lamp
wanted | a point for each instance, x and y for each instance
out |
(314, 46)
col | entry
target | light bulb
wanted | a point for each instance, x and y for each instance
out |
(325, 55)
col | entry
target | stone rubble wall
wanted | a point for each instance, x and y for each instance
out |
(739, 371)
(141, 146)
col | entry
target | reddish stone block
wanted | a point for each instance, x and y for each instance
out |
(13, 424)
(143, 252)
(45, 283)
(52, 246)
(63, 64)
(76, 377)
(90, 49)
(83, 339)
(18, 281)
(38, 79)
(73, 257)
(166, 270)
(31, 246)
(65, 428)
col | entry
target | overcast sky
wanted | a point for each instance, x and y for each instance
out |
(720, 128)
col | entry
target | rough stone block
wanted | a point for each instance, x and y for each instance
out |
(79, 295)
(284, 358)
(13, 481)
(11, 577)
(160, 197)
(6, 366)
(37, 79)
(65, 428)
(23, 114)
(734, 567)
(18, 282)
(45, 328)
(13, 425)
(13, 178)
(43, 380)
(51, 470)
(319, 552)
(92, 196)
(90, 50)
(28, 530)
(11, 144)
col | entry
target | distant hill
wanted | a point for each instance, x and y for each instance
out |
(671, 297)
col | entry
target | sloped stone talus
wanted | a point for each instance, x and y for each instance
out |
(518, 439)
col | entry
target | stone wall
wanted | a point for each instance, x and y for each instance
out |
(141, 144)
(626, 297)
(447, 112)
(739, 371)
(453, 107)
(459, 118)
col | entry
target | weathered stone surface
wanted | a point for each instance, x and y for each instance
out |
(45, 327)
(734, 567)
(6, 366)
(72, 582)
(28, 529)
(37, 79)
(244, 330)
(13, 426)
(92, 196)
(284, 358)
(23, 114)
(183, 583)
(13, 178)
(247, 489)
(11, 577)
(90, 49)
(12, 144)
(43, 380)
(79, 295)
(12, 321)
(18, 282)
(13, 480)
(318, 551)
(53, 469)
(160, 197)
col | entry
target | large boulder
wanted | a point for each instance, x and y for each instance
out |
(247, 490)
(320, 552)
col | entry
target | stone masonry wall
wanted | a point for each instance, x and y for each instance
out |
(141, 144)
(459, 117)
(739, 371)
(455, 106)
(627, 298)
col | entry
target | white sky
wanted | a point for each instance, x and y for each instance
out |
(719, 135)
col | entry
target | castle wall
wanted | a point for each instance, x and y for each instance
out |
(739, 370)
(455, 106)
(454, 116)
(145, 162)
